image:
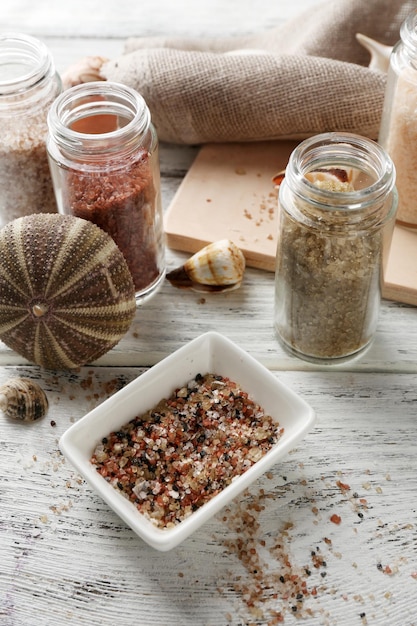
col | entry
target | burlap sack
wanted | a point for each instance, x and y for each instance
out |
(308, 76)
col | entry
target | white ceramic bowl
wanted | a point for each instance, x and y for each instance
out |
(211, 352)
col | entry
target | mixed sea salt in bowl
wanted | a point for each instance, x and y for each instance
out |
(179, 442)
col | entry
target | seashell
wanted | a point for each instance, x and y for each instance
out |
(66, 293)
(278, 178)
(330, 179)
(23, 399)
(86, 70)
(380, 53)
(218, 266)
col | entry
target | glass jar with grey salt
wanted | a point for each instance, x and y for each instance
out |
(337, 206)
(28, 86)
(398, 131)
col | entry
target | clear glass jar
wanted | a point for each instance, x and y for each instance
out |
(103, 152)
(28, 86)
(337, 205)
(398, 131)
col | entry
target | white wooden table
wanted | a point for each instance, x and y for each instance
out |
(338, 514)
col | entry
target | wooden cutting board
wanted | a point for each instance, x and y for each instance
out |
(400, 276)
(228, 193)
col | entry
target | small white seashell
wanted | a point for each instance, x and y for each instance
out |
(218, 266)
(22, 399)
(380, 53)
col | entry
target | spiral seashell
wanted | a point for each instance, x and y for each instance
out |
(218, 266)
(23, 399)
(66, 293)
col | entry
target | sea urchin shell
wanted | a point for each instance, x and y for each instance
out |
(66, 293)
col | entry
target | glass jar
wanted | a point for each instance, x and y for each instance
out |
(28, 86)
(337, 205)
(103, 152)
(398, 132)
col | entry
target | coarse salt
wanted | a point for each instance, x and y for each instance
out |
(168, 483)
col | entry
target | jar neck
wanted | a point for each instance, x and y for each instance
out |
(27, 70)
(369, 166)
(98, 119)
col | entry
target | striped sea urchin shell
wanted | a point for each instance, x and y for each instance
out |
(66, 294)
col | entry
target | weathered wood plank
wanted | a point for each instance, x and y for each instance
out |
(64, 550)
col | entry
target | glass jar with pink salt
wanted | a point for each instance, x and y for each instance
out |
(28, 86)
(398, 132)
(103, 154)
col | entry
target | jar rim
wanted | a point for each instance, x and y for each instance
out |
(25, 60)
(93, 99)
(341, 149)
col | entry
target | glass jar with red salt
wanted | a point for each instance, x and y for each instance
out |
(103, 155)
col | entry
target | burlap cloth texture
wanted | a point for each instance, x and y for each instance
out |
(312, 77)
